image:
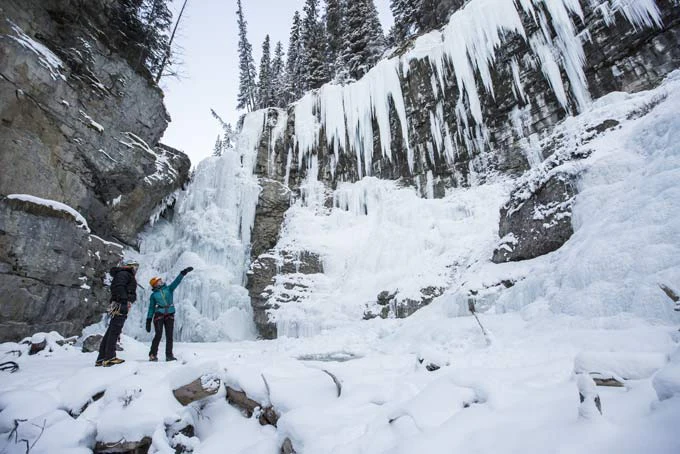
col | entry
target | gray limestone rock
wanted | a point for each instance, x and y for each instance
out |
(79, 124)
(91, 343)
(264, 297)
(123, 447)
(273, 202)
(52, 271)
(391, 305)
(538, 225)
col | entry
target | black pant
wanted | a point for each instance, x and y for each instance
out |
(160, 321)
(107, 348)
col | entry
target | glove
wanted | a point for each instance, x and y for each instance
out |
(185, 271)
(148, 325)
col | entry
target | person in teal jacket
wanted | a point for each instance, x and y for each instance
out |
(162, 313)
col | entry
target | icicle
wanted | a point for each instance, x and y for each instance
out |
(466, 49)
(640, 13)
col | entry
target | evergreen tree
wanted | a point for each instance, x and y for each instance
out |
(334, 19)
(157, 20)
(314, 69)
(293, 88)
(217, 149)
(264, 86)
(406, 14)
(247, 85)
(278, 77)
(364, 39)
(229, 137)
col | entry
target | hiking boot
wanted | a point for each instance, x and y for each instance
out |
(112, 362)
(153, 358)
(98, 363)
(170, 358)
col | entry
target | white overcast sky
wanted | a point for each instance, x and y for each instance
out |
(209, 37)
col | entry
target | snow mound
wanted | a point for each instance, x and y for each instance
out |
(628, 365)
(667, 381)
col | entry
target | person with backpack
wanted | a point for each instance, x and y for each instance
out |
(123, 294)
(162, 314)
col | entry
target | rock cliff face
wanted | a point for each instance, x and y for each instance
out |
(434, 119)
(79, 124)
(52, 271)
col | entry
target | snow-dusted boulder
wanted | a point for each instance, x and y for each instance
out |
(666, 382)
(91, 343)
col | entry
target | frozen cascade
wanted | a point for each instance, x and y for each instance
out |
(210, 231)
(466, 49)
(377, 236)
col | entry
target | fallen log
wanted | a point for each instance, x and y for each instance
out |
(123, 446)
(198, 389)
(240, 400)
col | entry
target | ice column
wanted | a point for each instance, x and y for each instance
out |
(210, 231)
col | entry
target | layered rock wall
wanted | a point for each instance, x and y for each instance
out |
(53, 272)
(80, 122)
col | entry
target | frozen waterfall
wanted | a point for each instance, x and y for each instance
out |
(210, 231)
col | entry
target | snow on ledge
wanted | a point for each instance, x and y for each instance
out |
(46, 57)
(80, 220)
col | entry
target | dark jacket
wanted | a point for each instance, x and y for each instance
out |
(161, 299)
(123, 287)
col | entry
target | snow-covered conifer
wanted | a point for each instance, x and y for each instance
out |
(293, 89)
(217, 149)
(277, 77)
(264, 85)
(314, 68)
(334, 20)
(364, 39)
(406, 13)
(247, 85)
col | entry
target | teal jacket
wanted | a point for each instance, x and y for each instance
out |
(161, 299)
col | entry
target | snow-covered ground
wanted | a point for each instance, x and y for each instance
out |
(518, 395)
(594, 305)
(591, 306)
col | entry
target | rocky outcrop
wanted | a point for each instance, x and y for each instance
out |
(52, 271)
(276, 278)
(539, 225)
(392, 305)
(80, 123)
(273, 202)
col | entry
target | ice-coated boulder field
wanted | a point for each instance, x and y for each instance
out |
(459, 234)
